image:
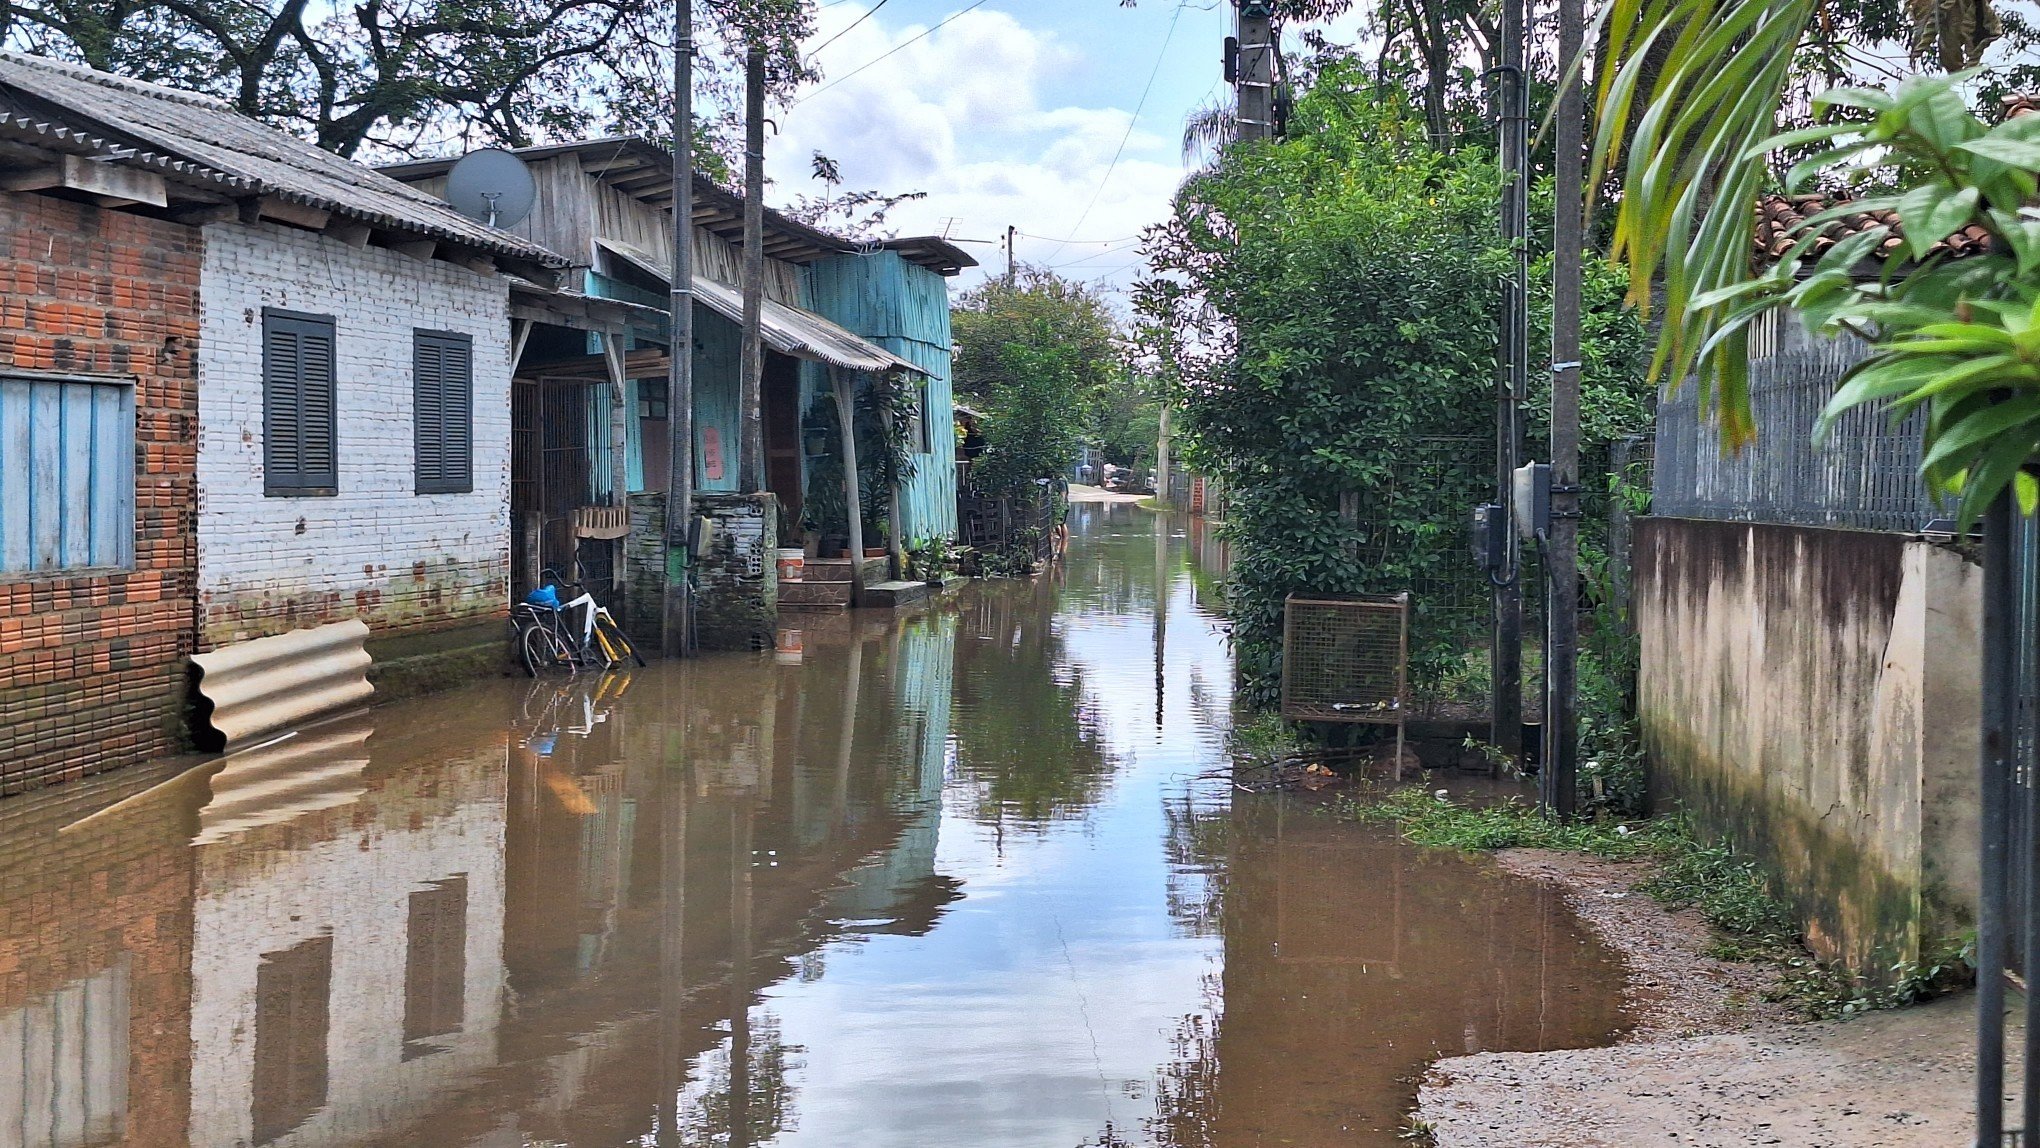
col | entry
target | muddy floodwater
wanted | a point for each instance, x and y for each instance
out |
(971, 876)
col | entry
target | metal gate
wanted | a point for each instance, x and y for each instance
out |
(554, 476)
(2008, 918)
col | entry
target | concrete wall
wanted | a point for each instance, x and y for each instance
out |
(92, 660)
(1811, 694)
(738, 604)
(398, 560)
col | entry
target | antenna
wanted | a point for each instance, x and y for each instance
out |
(491, 186)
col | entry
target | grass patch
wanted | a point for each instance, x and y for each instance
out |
(1427, 819)
(1727, 888)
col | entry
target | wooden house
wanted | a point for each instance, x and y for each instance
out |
(590, 427)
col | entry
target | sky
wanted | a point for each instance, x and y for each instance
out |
(1016, 113)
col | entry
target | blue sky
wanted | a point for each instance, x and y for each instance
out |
(1010, 114)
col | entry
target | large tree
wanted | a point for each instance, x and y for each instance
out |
(395, 77)
(1037, 354)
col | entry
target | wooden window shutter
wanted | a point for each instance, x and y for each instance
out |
(300, 447)
(443, 386)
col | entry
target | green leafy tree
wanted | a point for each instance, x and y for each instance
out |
(1327, 303)
(395, 77)
(1034, 356)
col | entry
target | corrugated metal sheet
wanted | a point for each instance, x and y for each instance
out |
(252, 157)
(788, 330)
(905, 309)
(272, 784)
(268, 684)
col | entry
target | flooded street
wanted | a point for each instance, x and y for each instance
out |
(969, 876)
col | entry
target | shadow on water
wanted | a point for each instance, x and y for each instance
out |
(972, 876)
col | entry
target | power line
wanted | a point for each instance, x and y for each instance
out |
(1137, 109)
(868, 14)
(902, 44)
(1080, 242)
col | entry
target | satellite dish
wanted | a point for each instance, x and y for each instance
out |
(491, 186)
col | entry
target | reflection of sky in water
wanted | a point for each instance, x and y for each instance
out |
(1041, 1004)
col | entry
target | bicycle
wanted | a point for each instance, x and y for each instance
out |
(547, 644)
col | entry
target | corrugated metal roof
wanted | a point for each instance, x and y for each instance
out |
(642, 169)
(788, 330)
(56, 101)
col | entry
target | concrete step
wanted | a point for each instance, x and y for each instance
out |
(814, 594)
(892, 595)
(838, 569)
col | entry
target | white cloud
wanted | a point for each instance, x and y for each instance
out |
(970, 114)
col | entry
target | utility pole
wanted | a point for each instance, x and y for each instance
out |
(751, 451)
(1256, 70)
(676, 632)
(1561, 612)
(1162, 453)
(1011, 267)
(1505, 731)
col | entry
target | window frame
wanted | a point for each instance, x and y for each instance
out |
(128, 541)
(274, 486)
(464, 482)
(923, 433)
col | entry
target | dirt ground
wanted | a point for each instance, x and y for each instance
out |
(1709, 1063)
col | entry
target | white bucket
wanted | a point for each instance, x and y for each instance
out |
(788, 648)
(790, 561)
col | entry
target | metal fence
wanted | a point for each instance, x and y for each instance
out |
(2008, 918)
(1865, 474)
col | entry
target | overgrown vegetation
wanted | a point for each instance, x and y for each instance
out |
(1326, 304)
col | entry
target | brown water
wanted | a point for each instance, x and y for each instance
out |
(971, 877)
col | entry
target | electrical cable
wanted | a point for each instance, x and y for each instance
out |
(924, 35)
(868, 14)
(1137, 109)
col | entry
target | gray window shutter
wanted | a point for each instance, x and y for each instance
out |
(443, 415)
(300, 449)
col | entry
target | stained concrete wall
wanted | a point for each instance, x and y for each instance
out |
(1811, 694)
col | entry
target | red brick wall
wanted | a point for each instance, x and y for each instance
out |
(118, 888)
(92, 667)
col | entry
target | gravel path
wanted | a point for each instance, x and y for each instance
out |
(1709, 1063)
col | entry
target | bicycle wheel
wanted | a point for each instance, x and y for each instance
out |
(617, 639)
(543, 653)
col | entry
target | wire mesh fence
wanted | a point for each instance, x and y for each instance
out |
(1863, 474)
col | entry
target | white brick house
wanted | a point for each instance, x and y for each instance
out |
(373, 545)
(352, 423)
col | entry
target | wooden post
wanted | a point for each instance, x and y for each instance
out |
(619, 446)
(751, 369)
(896, 548)
(676, 631)
(853, 502)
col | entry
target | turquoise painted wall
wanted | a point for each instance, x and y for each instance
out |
(899, 306)
(905, 309)
(717, 357)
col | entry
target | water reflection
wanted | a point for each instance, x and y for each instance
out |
(971, 876)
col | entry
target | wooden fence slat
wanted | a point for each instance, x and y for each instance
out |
(14, 492)
(45, 477)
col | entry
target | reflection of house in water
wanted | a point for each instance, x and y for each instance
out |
(346, 939)
(899, 891)
(95, 934)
